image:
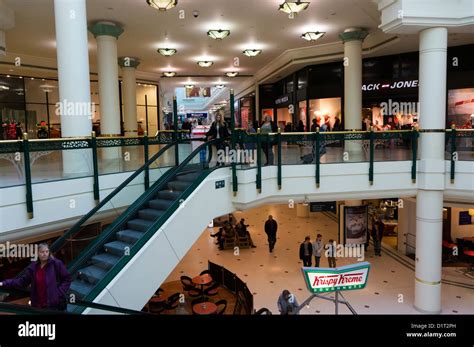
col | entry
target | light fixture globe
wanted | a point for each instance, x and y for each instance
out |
(252, 52)
(167, 52)
(205, 63)
(231, 74)
(293, 6)
(218, 34)
(312, 35)
(162, 5)
(189, 86)
(220, 86)
(169, 74)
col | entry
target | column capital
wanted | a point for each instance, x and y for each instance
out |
(353, 35)
(106, 29)
(128, 62)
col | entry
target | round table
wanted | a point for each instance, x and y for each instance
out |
(202, 280)
(205, 308)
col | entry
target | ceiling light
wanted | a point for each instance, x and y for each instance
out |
(312, 35)
(169, 74)
(4, 87)
(162, 5)
(167, 52)
(218, 34)
(189, 86)
(231, 74)
(252, 52)
(220, 86)
(204, 63)
(293, 6)
(8, 76)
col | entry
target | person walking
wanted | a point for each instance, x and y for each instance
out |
(267, 146)
(49, 281)
(306, 250)
(331, 253)
(271, 227)
(318, 249)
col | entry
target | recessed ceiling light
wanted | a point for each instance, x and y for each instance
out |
(220, 86)
(32, 78)
(252, 52)
(204, 63)
(231, 74)
(20, 77)
(293, 6)
(167, 52)
(189, 86)
(162, 5)
(218, 34)
(312, 35)
(8, 76)
(169, 74)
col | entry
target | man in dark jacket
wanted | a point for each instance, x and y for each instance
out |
(306, 250)
(49, 281)
(271, 227)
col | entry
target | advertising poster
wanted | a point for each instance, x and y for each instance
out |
(355, 224)
(198, 92)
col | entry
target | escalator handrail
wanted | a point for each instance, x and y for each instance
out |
(27, 308)
(99, 286)
(76, 227)
(75, 264)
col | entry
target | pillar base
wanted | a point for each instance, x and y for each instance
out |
(427, 297)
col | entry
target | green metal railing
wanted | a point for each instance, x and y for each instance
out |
(26, 147)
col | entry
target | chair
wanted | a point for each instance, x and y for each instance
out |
(263, 311)
(172, 301)
(159, 290)
(243, 241)
(212, 290)
(198, 301)
(156, 307)
(470, 257)
(189, 287)
(229, 242)
(221, 306)
(448, 250)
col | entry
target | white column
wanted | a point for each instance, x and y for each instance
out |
(106, 34)
(129, 95)
(74, 83)
(429, 203)
(353, 87)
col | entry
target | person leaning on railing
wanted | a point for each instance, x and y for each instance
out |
(49, 281)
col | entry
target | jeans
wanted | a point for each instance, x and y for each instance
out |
(317, 260)
(306, 260)
(332, 261)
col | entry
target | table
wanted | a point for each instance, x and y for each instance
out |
(205, 308)
(468, 239)
(202, 280)
(157, 303)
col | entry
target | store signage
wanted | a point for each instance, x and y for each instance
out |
(220, 184)
(322, 206)
(350, 277)
(282, 100)
(196, 115)
(390, 85)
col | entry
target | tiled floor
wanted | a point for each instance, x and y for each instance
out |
(390, 287)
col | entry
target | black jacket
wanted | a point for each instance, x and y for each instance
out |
(271, 227)
(310, 250)
(223, 131)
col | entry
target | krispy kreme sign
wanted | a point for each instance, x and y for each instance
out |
(348, 277)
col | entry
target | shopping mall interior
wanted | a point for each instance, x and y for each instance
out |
(236, 157)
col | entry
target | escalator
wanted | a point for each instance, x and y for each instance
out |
(111, 253)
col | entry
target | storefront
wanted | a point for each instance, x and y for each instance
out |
(389, 93)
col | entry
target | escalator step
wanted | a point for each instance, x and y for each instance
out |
(188, 177)
(117, 248)
(80, 288)
(150, 214)
(104, 260)
(169, 194)
(179, 185)
(160, 204)
(130, 236)
(139, 224)
(92, 274)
